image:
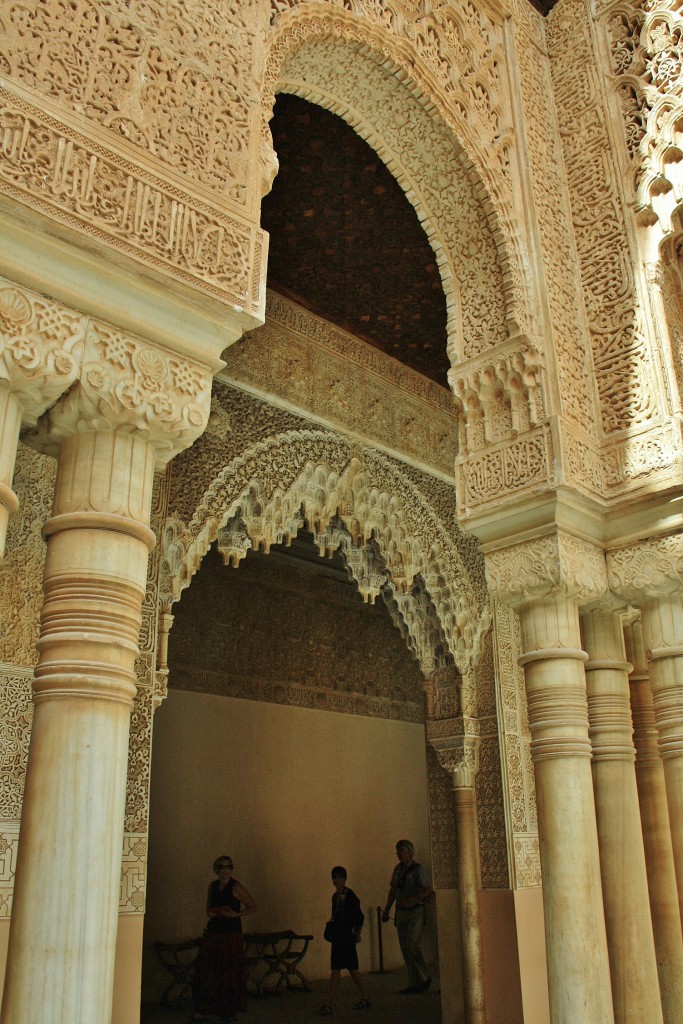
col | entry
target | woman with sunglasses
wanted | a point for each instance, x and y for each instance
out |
(221, 967)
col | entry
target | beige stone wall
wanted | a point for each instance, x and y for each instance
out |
(288, 792)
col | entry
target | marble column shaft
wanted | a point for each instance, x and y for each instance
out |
(635, 983)
(469, 885)
(576, 943)
(654, 813)
(662, 618)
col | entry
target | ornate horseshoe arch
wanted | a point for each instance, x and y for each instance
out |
(393, 541)
(457, 180)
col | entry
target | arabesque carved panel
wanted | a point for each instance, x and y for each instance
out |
(624, 366)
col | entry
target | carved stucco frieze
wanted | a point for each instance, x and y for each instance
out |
(625, 368)
(15, 732)
(173, 85)
(559, 267)
(329, 374)
(63, 173)
(557, 564)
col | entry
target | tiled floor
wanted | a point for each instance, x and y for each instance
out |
(293, 1007)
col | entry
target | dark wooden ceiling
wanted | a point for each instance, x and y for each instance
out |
(347, 244)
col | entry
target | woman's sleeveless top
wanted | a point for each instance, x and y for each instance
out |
(224, 898)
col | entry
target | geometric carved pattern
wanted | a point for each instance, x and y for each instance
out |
(9, 844)
(132, 895)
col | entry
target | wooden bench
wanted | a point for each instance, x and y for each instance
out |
(272, 958)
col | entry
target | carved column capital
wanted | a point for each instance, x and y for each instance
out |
(650, 569)
(555, 565)
(133, 386)
(41, 344)
(456, 742)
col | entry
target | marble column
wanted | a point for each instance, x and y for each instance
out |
(635, 984)
(546, 579)
(654, 814)
(133, 407)
(469, 885)
(650, 576)
(456, 742)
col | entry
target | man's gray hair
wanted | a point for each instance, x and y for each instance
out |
(405, 844)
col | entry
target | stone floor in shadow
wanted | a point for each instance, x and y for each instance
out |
(295, 1007)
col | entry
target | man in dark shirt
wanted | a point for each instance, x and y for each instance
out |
(410, 888)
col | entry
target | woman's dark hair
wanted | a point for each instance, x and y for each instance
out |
(219, 860)
(339, 872)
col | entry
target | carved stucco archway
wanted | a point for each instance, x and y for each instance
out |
(349, 497)
(433, 138)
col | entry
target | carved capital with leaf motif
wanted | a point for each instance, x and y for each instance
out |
(135, 387)
(40, 348)
(652, 568)
(456, 742)
(557, 564)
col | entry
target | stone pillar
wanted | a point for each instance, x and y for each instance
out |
(545, 579)
(650, 575)
(40, 351)
(654, 814)
(132, 409)
(459, 755)
(469, 885)
(635, 984)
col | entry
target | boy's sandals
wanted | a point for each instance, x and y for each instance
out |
(324, 1010)
(363, 1004)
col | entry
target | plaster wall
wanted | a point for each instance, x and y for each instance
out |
(128, 969)
(288, 792)
(501, 959)
(532, 954)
